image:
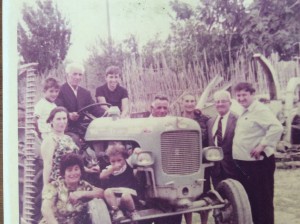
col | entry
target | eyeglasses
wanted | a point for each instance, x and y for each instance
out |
(221, 101)
(161, 108)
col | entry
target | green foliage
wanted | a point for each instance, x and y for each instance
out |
(273, 26)
(43, 35)
(183, 10)
(130, 46)
(103, 54)
(216, 32)
(152, 49)
(221, 30)
(210, 34)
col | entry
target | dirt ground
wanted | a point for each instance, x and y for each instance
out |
(286, 201)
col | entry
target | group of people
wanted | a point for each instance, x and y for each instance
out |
(65, 191)
(248, 141)
(58, 124)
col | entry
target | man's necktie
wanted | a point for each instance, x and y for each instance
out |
(219, 132)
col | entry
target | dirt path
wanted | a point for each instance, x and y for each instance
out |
(287, 196)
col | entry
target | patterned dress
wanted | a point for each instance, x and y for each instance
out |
(64, 211)
(64, 145)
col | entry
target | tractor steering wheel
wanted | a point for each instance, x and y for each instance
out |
(84, 110)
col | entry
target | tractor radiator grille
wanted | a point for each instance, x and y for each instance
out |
(180, 152)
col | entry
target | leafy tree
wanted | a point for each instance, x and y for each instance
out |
(210, 32)
(151, 51)
(273, 26)
(103, 54)
(224, 18)
(183, 10)
(130, 47)
(43, 35)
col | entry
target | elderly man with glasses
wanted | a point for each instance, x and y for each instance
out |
(220, 133)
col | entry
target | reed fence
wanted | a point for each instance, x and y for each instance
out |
(144, 83)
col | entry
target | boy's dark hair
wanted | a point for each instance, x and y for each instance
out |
(116, 149)
(70, 159)
(50, 83)
(246, 86)
(115, 70)
(55, 111)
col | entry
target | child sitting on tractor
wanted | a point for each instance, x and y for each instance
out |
(44, 106)
(120, 193)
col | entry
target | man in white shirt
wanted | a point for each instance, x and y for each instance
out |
(256, 136)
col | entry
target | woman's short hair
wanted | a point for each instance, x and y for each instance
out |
(116, 148)
(70, 159)
(246, 86)
(54, 112)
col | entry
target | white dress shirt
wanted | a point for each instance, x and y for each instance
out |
(74, 90)
(256, 126)
(224, 125)
(42, 111)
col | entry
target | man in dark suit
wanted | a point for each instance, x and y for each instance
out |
(74, 97)
(221, 133)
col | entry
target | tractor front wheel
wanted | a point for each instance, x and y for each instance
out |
(237, 208)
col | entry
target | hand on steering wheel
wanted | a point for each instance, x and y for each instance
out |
(84, 110)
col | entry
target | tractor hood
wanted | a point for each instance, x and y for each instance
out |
(135, 128)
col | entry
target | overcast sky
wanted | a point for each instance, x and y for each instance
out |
(142, 18)
(88, 18)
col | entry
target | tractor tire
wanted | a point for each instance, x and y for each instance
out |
(98, 211)
(237, 209)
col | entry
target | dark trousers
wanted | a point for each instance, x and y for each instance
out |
(222, 175)
(257, 177)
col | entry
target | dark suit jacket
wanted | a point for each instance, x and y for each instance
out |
(67, 99)
(226, 168)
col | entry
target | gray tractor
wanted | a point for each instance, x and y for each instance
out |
(172, 163)
(170, 168)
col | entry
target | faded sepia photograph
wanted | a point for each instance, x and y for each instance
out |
(152, 111)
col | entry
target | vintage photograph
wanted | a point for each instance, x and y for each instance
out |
(162, 111)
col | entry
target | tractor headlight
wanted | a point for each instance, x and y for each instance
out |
(143, 158)
(213, 153)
